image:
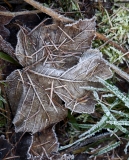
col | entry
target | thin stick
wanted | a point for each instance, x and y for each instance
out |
(49, 11)
(66, 34)
(14, 14)
(43, 107)
(114, 44)
(118, 70)
(8, 3)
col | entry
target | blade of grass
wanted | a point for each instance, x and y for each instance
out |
(7, 58)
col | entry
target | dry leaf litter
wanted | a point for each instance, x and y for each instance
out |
(57, 60)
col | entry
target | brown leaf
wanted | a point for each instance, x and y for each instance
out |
(21, 145)
(57, 61)
(39, 86)
(36, 91)
(4, 34)
(17, 147)
(6, 47)
(5, 147)
(45, 144)
(35, 111)
(59, 44)
(4, 20)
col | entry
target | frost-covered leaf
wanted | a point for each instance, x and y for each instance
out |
(45, 143)
(36, 108)
(39, 91)
(57, 61)
(21, 145)
(6, 47)
(4, 34)
(59, 44)
(4, 20)
(5, 147)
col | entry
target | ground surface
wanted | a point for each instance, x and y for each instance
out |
(102, 134)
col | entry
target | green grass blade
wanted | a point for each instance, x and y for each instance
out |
(107, 148)
(119, 123)
(116, 91)
(8, 58)
(96, 128)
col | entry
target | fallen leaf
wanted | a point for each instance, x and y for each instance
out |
(38, 91)
(4, 20)
(6, 47)
(57, 61)
(29, 21)
(35, 112)
(21, 143)
(5, 147)
(4, 34)
(45, 143)
(18, 147)
(59, 44)
(43, 80)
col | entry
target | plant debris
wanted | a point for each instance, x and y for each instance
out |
(17, 147)
(57, 61)
(45, 143)
(4, 20)
(5, 147)
(59, 77)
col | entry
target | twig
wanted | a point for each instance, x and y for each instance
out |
(118, 70)
(14, 14)
(8, 3)
(114, 44)
(49, 11)
(123, 50)
(13, 2)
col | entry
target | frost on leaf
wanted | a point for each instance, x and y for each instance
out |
(58, 45)
(6, 47)
(57, 61)
(21, 144)
(4, 34)
(5, 147)
(37, 107)
(44, 143)
(17, 146)
(4, 20)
